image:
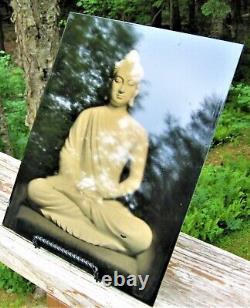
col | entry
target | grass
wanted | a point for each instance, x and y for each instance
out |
(238, 147)
(237, 242)
(13, 300)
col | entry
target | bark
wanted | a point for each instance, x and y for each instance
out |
(236, 18)
(1, 33)
(245, 5)
(202, 24)
(175, 20)
(191, 17)
(36, 26)
(157, 17)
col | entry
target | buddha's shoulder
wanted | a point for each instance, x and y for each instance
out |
(136, 128)
(91, 110)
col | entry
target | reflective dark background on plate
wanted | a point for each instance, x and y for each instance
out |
(186, 81)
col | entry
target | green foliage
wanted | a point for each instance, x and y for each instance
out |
(93, 6)
(62, 23)
(240, 97)
(158, 3)
(143, 11)
(12, 88)
(216, 8)
(12, 282)
(18, 133)
(12, 83)
(221, 200)
(129, 10)
(236, 116)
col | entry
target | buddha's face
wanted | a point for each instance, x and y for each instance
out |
(124, 86)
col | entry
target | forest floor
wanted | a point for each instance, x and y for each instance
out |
(237, 242)
(240, 146)
(13, 300)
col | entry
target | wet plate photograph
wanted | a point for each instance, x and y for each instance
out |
(122, 132)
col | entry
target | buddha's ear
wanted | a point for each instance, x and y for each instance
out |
(131, 102)
(137, 90)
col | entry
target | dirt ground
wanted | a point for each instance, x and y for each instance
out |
(13, 300)
(238, 147)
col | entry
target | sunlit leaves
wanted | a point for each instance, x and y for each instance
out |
(216, 8)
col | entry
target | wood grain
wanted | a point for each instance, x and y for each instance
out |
(199, 274)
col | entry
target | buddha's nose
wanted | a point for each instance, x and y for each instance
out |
(121, 89)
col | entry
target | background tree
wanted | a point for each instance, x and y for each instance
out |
(36, 26)
(1, 33)
(192, 16)
(174, 12)
(5, 12)
(218, 10)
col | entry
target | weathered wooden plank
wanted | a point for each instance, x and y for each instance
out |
(199, 274)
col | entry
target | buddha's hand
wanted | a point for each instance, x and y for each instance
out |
(108, 192)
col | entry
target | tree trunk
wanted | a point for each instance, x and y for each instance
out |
(191, 17)
(36, 26)
(157, 17)
(202, 24)
(236, 17)
(245, 6)
(175, 20)
(1, 33)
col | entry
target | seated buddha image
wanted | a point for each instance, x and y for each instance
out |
(83, 198)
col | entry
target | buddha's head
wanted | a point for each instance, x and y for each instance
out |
(127, 76)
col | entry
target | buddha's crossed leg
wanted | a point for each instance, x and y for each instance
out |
(113, 218)
(109, 224)
(57, 207)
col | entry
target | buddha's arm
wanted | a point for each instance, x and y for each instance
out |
(69, 164)
(133, 182)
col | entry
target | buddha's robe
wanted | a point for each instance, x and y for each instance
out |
(81, 199)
